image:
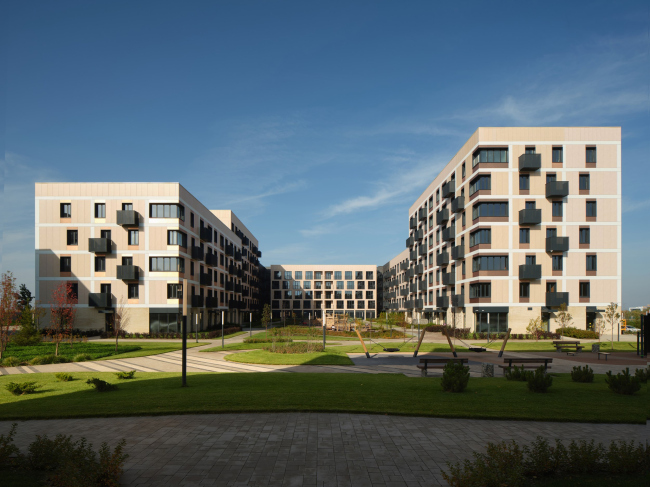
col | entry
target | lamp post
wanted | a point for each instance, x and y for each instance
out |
(250, 327)
(184, 334)
(196, 330)
(222, 341)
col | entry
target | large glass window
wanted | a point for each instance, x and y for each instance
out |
(348, 294)
(307, 284)
(166, 264)
(296, 284)
(100, 264)
(350, 284)
(318, 275)
(309, 275)
(164, 323)
(287, 275)
(524, 235)
(72, 237)
(369, 295)
(370, 275)
(328, 275)
(490, 155)
(175, 237)
(361, 285)
(340, 285)
(338, 294)
(480, 183)
(134, 237)
(585, 290)
(277, 275)
(318, 284)
(558, 154)
(490, 263)
(483, 236)
(491, 322)
(328, 284)
(298, 275)
(371, 284)
(590, 154)
(167, 211)
(274, 284)
(338, 275)
(524, 290)
(174, 290)
(480, 290)
(498, 209)
(285, 285)
(65, 264)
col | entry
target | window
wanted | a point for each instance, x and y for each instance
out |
(530, 260)
(585, 236)
(480, 290)
(274, 284)
(167, 211)
(340, 285)
(557, 208)
(66, 210)
(462, 269)
(100, 264)
(287, 275)
(591, 209)
(174, 237)
(65, 264)
(350, 284)
(530, 150)
(463, 170)
(361, 284)
(479, 183)
(318, 275)
(100, 210)
(127, 260)
(328, 284)
(297, 294)
(288, 295)
(73, 237)
(463, 219)
(551, 287)
(524, 235)
(134, 237)
(73, 290)
(358, 275)
(370, 275)
(296, 284)
(437, 195)
(277, 275)
(339, 305)
(338, 294)
(489, 210)
(530, 205)
(369, 295)
(309, 275)
(585, 290)
(551, 232)
(338, 275)
(371, 285)
(328, 275)
(133, 291)
(298, 275)
(524, 181)
(524, 290)
(584, 181)
(174, 291)
(557, 263)
(357, 294)
(192, 270)
(490, 155)
(360, 305)
(318, 285)
(480, 237)
(558, 154)
(307, 284)
(490, 263)
(350, 305)
(592, 263)
(591, 154)
(166, 264)
(191, 219)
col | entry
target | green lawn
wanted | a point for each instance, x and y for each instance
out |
(355, 348)
(149, 348)
(270, 358)
(514, 346)
(160, 393)
(95, 350)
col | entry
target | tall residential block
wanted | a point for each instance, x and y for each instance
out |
(132, 244)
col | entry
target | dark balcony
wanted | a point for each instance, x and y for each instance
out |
(413, 224)
(448, 189)
(245, 266)
(418, 303)
(230, 286)
(197, 301)
(458, 252)
(197, 253)
(205, 279)
(100, 245)
(245, 240)
(230, 250)
(232, 269)
(530, 162)
(408, 304)
(422, 214)
(100, 300)
(442, 301)
(128, 272)
(458, 204)
(409, 242)
(449, 233)
(238, 288)
(259, 254)
(212, 259)
(128, 218)
(555, 300)
(448, 278)
(530, 217)
(422, 250)
(413, 255)
(528, 272)
(442, 216)
(458, 300)
(442, 258)
(404, 292)
(205, 234)
(211, 302)
(419, 269)
(245, 293)
(557, 244)
(238, 256)
(413, 288)
(557, 189)
(419, 235)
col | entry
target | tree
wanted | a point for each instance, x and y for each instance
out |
(121, 319)
(8, 309)
(63, 313)
(535, 327)
(564, 318)
(599, 327)
(266, 317)
(27, 334)
(612, 318)
(25, 297)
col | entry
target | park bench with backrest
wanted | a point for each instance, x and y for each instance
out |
(527, 363)
(567, 346)
(437, 363)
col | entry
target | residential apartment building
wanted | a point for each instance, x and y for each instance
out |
(519, 222)
(311, 290)
(395, 283)
(132, 244)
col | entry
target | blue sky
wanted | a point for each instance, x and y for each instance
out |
(318, 123)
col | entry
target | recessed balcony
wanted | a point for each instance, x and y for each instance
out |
(530, 162)
(100, 245)
(557, 189)
(555, 300)
(557, 244)
(530, 217)
(530, 271)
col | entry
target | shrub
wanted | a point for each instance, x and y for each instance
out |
(11, 362)
(81, 357)
(455, 377)
(64, 377)
(627, 458)
(9, 452)
(298, 347)
(20, 388)
(517, 373)
(539, 381)
(267, 340)
(642, 374)
(100, 385)
(125, 375)
(48, 359)
(573, 332)
(582, 374)
(623, 383)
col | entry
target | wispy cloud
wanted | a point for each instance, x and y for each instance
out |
(630, 206)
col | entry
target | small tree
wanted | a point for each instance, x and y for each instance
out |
(121, 319)
(612, 318)
(25, 297)
(266, 317)
(599, 327)
(535, 327)
(9, 308)
(564, 318)
(63, 313)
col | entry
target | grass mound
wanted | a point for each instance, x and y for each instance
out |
(271, 358)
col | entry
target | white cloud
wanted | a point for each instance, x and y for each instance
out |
(630, 206)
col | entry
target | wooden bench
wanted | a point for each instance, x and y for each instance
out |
(437, 363)
(527, 363)
(567, 346)
(603, 353)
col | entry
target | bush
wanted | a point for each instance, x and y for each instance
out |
(500, 465)
(267, 340)
(298, 347)
(101, 385)
(451, 331)
(573, 332)
(20, 388)
(9, 452)
(455, 377)
(64, 377)
(539, 381)
(81, 357)
(582, 374)
(11, 362)
(47, 359)
(623, 383)
(125, 375)
(517, 373)
(642, 374)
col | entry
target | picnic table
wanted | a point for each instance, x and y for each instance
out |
(569, 346)
(527, 363)
(437, 363)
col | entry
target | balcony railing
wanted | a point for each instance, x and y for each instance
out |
(205, 279)
(197, 301)
(413, 224)
(230, 286)
(410, 241)
(413, 287)
(557, 189)
(128, 218)
(100, 300)
(458, 204)
(530, 162)
(442, 301)
(448, 278)
(419, 269)
(458, 300)
(422, 214)
(530, 217)
(530, 271)
(419, 235)
(442, 258)
(422, 250)
(197, 253)
(442, 216)
(211, 302)
(554, 300)
(557, 244)
(205, 234)
(449, 233)
(418, 303)
(404, 292)
(212, 259)
(230, 250)
(458, 252)
(99, 245)
(448, 189)
(128, 272)
(413, 255)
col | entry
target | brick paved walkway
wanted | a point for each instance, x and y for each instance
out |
(310, 449)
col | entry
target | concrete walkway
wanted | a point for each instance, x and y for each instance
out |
(310, 449)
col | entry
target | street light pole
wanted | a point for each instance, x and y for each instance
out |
(222, 341)
(184, 334)
(250, 328)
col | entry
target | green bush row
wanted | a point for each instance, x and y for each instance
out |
(298, 347)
